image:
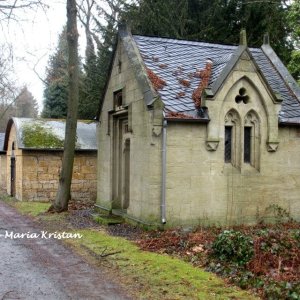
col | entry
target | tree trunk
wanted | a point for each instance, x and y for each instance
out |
(65, 179)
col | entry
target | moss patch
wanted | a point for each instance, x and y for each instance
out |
(107, 220)
(39, 136)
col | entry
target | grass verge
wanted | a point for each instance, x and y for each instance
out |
(156, 276)
(146, 275)
(26, 208)
(31, 208)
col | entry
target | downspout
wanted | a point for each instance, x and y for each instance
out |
(163, 177)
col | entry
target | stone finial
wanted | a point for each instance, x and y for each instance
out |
(243, 37)
(123, 26)
(266, 39)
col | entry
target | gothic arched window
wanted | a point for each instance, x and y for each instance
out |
(232, 138)
(251, 139)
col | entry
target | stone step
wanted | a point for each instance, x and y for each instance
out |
(106, 219)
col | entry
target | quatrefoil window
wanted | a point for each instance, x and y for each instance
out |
(242, 96)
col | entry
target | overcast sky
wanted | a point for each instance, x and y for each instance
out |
(33, 40)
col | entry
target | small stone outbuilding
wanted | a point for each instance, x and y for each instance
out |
(34, 150)
(198, 133)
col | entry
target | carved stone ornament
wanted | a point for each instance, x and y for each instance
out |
(251, 119)
(272, 146)
(212, 145)
(156, 130)
(232, 118)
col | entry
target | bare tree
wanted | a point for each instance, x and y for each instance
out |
(94, 18)
(9, 11)
(7, 83)
(8, 8)
(63, 193)
(85, 16)
(8, 86)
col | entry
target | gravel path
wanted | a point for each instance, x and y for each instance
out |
(40, 268)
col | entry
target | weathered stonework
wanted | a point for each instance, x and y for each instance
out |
(201, 188)
(40, 180)
(145, 144)
(37, 173)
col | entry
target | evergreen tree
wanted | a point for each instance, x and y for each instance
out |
(294, 22)
(166, 18)
(56, 89)
(97, 62)
(56, 93)
(217, 21)
(104, 56)
(294, 65)
(26, 105)
(91, 90)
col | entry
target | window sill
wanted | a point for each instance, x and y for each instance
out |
(246, 169)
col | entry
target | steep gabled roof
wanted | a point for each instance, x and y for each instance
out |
(180, 65)
(49, 134)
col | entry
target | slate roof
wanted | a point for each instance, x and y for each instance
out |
(49, 134)
(176, 60)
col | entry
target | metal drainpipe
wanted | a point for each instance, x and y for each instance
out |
(163, 179)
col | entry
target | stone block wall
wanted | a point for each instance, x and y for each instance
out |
(202, 189)
(41, 171)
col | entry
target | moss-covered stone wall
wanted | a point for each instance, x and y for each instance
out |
(37, 173)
